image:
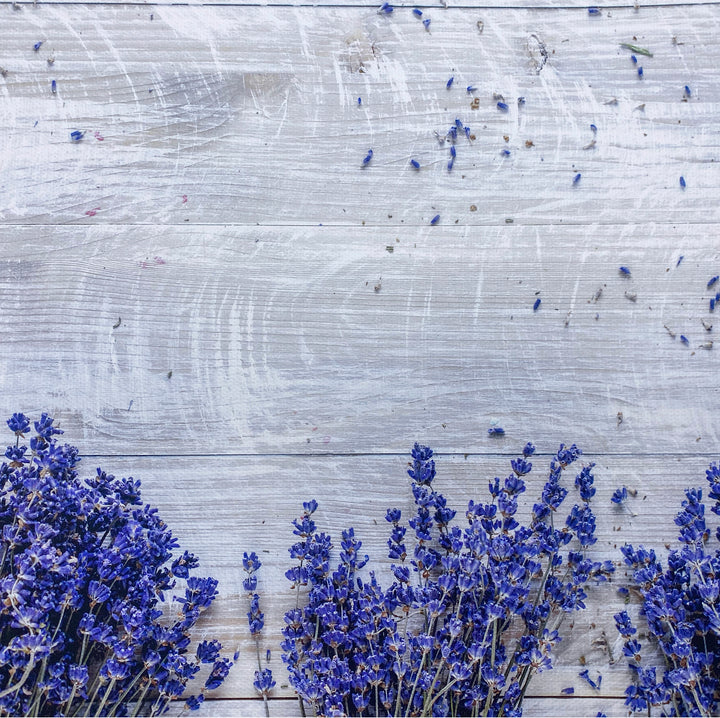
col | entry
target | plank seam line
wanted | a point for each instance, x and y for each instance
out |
(544, 697)
(498, 455)
(259, 699)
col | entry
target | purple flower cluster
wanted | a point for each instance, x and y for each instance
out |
(84, 567)
(471, 614)
(681, 604)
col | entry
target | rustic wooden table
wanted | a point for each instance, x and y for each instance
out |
(211, 294)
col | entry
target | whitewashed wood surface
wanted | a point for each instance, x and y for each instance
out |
(251, 114)
(211, 294)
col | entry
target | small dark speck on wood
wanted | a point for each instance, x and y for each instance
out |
(169, 374)
(117, 323)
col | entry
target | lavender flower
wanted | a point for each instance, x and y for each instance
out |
(263, 682)
(681, 606)
(83, 569)
(472, 612)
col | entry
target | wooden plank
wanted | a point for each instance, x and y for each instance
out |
(258, 366)
(251, 115)
(573, 707)
(559, 707)
(240, 708)
(432, 9)
(219, 507)
(322, 340)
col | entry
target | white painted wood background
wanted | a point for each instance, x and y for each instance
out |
(211, 295)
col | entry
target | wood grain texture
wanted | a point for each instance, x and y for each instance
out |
(323, 340)
(221, 506)
(251, 114)
(167, 293)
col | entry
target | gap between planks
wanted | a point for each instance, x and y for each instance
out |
(378, 454)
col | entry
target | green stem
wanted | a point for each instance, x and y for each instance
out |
(417, 678)
(26, 674)
(428, 697)
(429, 700)
(141, 700)
(111, 685)
(159, 706)
(259, 661)
(527, 678)
(702, 711)
(401, 679)
(94, 696)
(38, 693)
(441, 693)
(489, 698)
(68, 702)
(125, 693)
(430, 627)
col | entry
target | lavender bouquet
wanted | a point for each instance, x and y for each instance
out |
(472, 612)
(681, 604)
(84, 567)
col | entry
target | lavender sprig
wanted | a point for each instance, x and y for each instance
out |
(256, 620)
(473, 610)
(681, 605)
(84, 567)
